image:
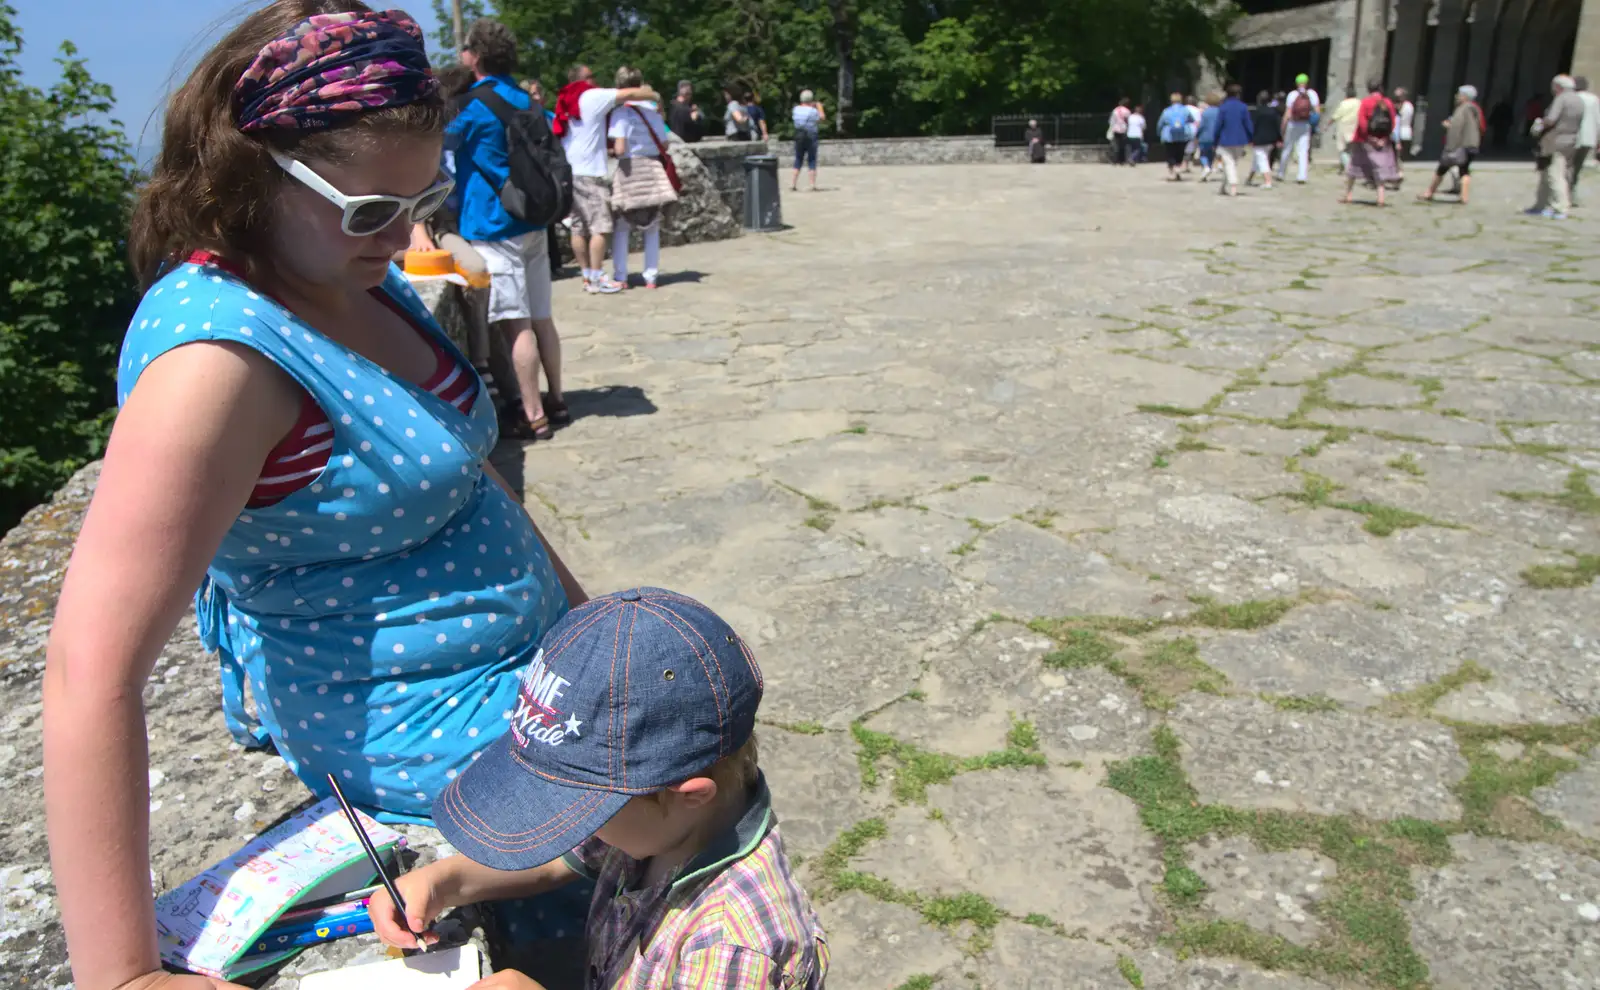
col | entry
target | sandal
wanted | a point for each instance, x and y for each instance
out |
(539, 429)
(558, 413)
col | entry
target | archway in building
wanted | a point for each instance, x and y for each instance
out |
(1273, 68)
(1531, 42)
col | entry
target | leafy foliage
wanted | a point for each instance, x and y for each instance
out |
(918, 66)
(66, 182)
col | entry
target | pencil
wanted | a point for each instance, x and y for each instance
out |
(377, 864)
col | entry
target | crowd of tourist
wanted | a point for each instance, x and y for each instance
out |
(1373, 134)
(614, 140)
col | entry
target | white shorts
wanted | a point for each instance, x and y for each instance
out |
(519, 276)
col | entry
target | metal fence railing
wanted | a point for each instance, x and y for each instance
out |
(1059, 128)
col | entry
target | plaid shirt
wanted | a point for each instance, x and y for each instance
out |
(733, 918)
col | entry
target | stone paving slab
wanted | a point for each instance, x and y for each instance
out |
(895, 446)
(1510, 915)
(1245, 753)
(1271, 892)
(1048, 842)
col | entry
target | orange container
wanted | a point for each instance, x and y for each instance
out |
(435, 262)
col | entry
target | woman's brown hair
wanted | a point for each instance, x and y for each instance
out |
(212, 185)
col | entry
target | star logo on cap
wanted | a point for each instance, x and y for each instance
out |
(572, 724)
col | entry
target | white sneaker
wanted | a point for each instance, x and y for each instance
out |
(606, 286)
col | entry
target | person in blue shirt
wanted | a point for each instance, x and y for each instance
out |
(1175, 128)
(516, 253)
(1235, 135)
(1206, 137)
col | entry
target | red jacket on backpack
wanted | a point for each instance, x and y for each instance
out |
(1367, 106)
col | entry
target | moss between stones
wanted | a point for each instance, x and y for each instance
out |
(801, 728)
(921, 981)
(1382, 520)
(1576, 496)
(1420, 701)
(1301, 703)
(1495, 794)
(1368, 934)
(1162, 409)
(917, 768)
(1585, 567)
(1130, 972)
(1407, 463)
(1042, 518)
(1160, 671)
(1252, 614)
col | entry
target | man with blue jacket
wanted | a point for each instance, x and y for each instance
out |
(515, 253)
(1235, 135)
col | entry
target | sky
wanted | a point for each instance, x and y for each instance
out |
(142, 48)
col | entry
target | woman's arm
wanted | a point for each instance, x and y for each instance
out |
(575, 594)
(183, 457)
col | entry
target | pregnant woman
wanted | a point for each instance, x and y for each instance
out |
(300, 440)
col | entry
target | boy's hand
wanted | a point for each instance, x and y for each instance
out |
(507, 979)
(425, 895)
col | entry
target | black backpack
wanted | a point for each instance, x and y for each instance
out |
(539, 189)
(1381, 123)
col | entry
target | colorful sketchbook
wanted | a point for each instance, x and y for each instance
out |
(210, 925)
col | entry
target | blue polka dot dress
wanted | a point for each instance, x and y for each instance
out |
(379, 616)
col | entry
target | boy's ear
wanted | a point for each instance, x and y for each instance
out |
(696, 792)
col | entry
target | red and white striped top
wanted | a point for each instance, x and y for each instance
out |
(304, 451)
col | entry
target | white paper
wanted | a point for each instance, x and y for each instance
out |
(451, 277)
(439, 969)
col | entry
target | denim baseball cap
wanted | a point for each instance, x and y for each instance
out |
(629, 693)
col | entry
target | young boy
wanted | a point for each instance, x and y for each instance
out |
(631, 759)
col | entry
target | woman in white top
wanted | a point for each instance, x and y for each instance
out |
(1405, 115)
(641, 186)
(1136, 126)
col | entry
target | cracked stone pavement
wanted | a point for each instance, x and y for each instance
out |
(1152, 589)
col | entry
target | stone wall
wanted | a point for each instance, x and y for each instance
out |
(723, 162)
(711, 205)
(966, 149)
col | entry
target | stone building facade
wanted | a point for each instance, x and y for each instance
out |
(1508, 49)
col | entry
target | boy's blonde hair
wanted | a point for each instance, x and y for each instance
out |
(736, 773)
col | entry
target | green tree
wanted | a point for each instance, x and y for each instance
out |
(442, 47)
(66, 184)
(884, 66)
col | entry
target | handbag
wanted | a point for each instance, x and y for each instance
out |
(665, 159)
(1453, 158)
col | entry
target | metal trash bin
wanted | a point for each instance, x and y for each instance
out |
(762, 208)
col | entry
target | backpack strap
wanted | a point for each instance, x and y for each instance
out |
(649, 130)
(485, 94)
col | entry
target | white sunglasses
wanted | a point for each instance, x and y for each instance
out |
(364, 215)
